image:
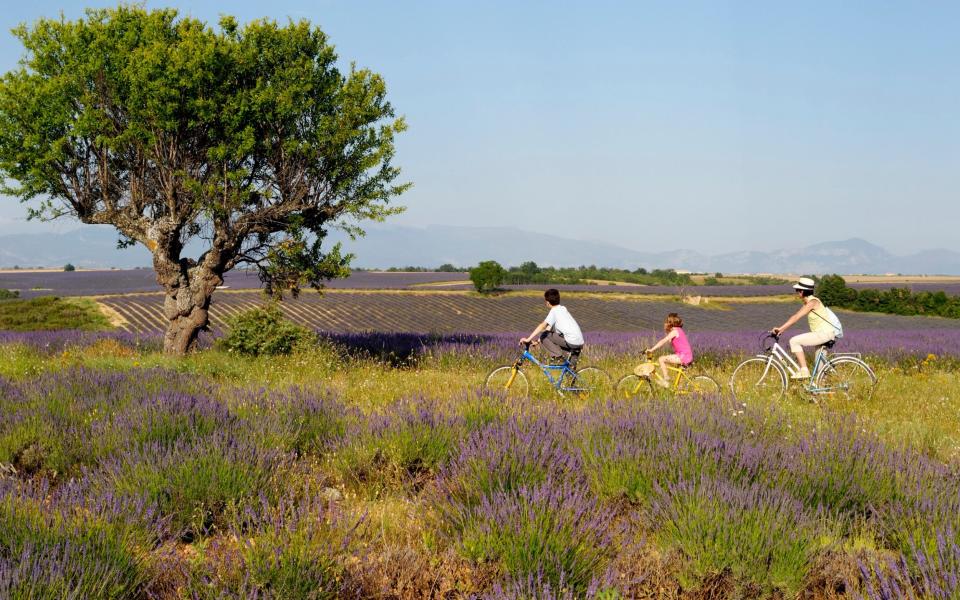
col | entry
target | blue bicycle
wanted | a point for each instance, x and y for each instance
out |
(511, 381)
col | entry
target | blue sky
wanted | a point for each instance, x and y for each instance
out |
(704, 125)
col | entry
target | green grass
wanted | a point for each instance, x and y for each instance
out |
(49, 313)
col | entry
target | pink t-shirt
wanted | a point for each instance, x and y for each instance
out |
(681, 345)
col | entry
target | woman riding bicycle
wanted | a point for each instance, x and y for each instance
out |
(825, 327)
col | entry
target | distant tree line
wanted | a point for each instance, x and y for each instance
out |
(530, 273)
(488, 275)
(834, 291)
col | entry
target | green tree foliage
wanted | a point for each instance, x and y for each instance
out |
(69, 267)
(833, 291)
(248, 138)
(487, 276)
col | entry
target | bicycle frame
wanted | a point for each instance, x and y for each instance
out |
(557, 382)
(680, 374)
(787, 363)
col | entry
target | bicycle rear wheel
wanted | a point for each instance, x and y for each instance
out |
(700, 385)
(632, 387)
(758, 378)
(589, 382)
(509, 381)
(847, 377)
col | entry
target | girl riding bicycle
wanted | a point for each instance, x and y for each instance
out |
(825, 327)
(682, 353)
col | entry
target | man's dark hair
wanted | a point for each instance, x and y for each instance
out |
(552, 296)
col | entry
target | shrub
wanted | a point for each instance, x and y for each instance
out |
(8, 295)
(398, 449)
(78, 417)
(631, 450)
(554, 530)
(296, 420)
(503, 457)
(69, 267)
(760, 535)
(487, 276)
(264, 331)
(292, 550)
(63, 544)
(194, 483)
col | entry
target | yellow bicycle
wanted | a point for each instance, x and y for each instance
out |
(640, 383)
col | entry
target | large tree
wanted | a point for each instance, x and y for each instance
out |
(247, 138)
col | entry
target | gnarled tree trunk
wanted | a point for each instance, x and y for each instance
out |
(189, 288)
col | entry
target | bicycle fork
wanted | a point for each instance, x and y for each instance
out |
(513, 374)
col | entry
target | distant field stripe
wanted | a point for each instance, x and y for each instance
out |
(153, 312)
(142, 317)
(303, 315)
(452, 313)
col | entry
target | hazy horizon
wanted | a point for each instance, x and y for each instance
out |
(712, 127)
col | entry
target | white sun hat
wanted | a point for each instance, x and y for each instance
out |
(805, 283)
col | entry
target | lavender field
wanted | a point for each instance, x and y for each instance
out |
(97, 283)
(346, 312)
(151, 483)
(374, 464)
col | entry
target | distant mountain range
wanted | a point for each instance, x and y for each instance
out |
(92, 247)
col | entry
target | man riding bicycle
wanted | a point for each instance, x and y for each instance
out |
(825, 327)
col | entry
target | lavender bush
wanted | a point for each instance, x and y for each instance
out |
(557, 530)
(289, 550)
(69, 543)
(398, 448)
(759, 534)
(931, 572)
(193, 483)
(76, 417)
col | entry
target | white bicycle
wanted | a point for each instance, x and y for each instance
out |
(767, 374)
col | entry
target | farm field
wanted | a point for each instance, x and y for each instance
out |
(374, 463)
(97, 283)
(345, 311)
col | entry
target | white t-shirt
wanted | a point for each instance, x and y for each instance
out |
(559, 320)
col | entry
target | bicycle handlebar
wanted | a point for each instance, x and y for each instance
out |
(768, 335)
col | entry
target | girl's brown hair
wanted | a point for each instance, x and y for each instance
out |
(673, 320)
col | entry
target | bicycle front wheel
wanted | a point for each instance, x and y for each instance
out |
(589, 382)
(758, 378)
(700, 385)
(508, 381)
(632, 387)
(847, 377)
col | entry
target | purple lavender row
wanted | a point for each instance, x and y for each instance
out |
(887, 343)
(93, 283)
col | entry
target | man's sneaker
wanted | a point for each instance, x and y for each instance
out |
(802, 374)
(659, 380)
